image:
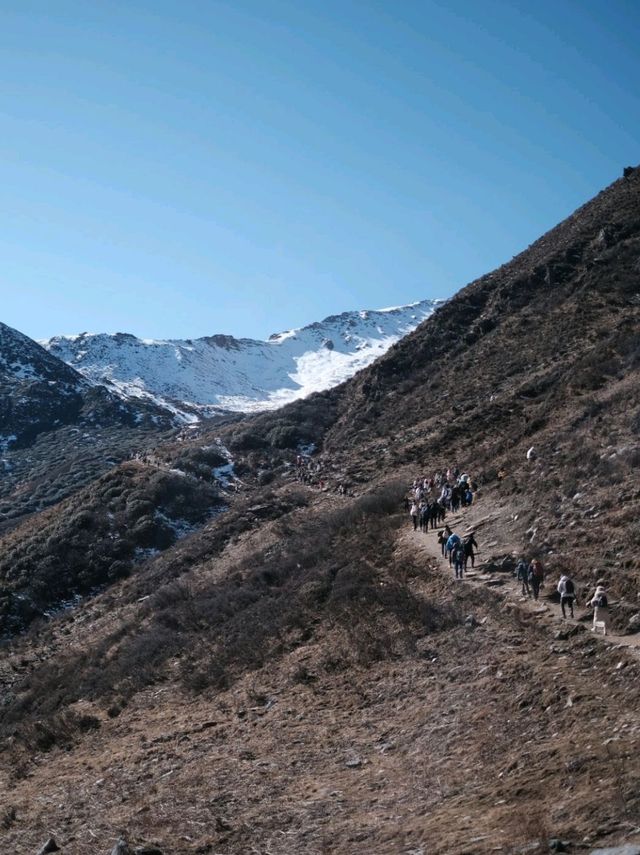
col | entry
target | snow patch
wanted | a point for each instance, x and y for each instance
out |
(197, 378)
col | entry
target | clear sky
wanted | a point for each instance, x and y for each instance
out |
(177, 168)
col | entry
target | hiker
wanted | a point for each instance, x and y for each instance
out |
(451, 542)
(468, 497)
(522, 574)
(425, 515)
(536, 577)
(600, 605)
(456, 498)
(567, 591)
(457, 554)
(469, 542)
(443, 537)
(414, 515)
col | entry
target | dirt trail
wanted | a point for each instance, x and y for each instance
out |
(477, 518)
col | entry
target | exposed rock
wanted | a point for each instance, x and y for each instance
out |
(569, 632)
(121, 848)
(147, 850)
(49, 846)
(508, 563)
(633, 624)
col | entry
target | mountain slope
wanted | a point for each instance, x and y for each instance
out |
(555, 326)
(348, 693)
(58, 430)
(37, 390)
(222, 372)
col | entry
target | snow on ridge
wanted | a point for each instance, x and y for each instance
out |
(221, 372)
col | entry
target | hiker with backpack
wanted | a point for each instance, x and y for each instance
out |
(443, 537)
(536, 577)
(600, 605)
(522, 574)
(454, 540)
(457, 554)
(567, 592)
(468, 543)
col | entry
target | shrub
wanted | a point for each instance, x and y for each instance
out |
(247, 441)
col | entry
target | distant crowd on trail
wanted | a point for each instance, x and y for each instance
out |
(318, 473)
(431, 498)
(311, 472)
(429, 501)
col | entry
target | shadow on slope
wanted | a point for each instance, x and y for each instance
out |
(335, 573)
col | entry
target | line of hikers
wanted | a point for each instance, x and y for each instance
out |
(532, 577)
(458, 549)
(428, 503)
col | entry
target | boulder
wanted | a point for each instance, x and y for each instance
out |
(49, 846)
(568, 632)
(633, 624)
(508, 564)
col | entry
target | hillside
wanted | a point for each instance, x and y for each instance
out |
(300, 674)
(37, 391)
(58, 430)
(204, 376)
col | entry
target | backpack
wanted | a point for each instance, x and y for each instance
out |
(536, 571)
(601, 601)
(568, 587)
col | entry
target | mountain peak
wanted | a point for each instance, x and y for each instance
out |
(221, 372)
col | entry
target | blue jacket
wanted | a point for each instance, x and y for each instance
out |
(453, 539)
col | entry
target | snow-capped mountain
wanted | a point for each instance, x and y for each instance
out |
(219, 372)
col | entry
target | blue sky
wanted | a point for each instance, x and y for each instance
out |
(177, 169)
